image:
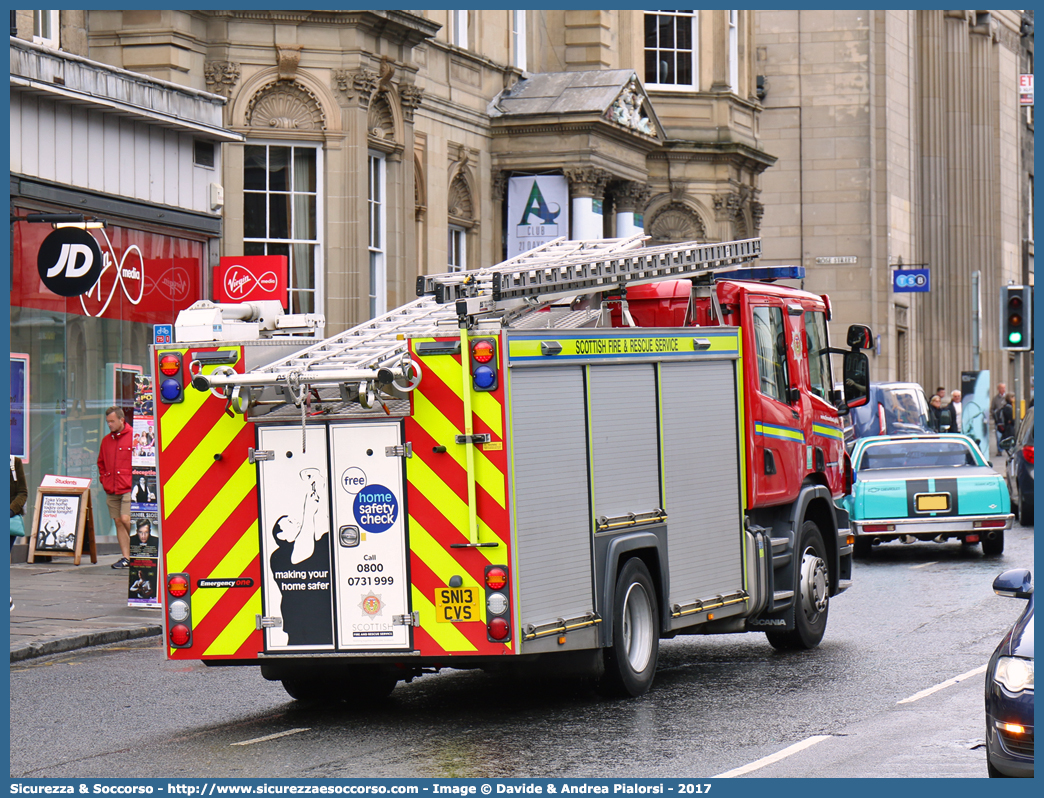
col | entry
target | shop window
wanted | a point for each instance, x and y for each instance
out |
(377, 224)
(670, 49)
(45, 28)
(282, 215)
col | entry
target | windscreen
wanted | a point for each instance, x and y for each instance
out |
(904, 406)
(915, 454)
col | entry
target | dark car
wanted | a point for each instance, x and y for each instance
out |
(1009, 686)
(894, 408)
(1020, 470)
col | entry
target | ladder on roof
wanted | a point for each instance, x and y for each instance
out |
(588, 268)
(375, 354)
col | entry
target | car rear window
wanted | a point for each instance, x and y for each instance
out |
(911, 454)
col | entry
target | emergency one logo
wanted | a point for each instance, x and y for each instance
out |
(376, 508)
(240, 282)
(69, 261)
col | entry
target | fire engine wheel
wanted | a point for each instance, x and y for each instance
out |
(813, 595)
(630, 663)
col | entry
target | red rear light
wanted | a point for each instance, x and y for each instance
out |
(169, 365)
(988, 524)
(878, 528)
(482, 351)
(179, 634)
(1027, 452)
(496, 578)
(177, 586)
(498, 629)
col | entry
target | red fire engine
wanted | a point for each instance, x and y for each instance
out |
(551, 463)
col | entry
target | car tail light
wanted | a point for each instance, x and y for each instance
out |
(988, 524)
(881, 419)
(496, 578)
(1027, 453)
(499, 629)
(179, 611)
(498, 604)
(878, 528)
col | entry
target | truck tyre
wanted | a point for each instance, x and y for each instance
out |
(630, 663)
(304, 689)
(992, 548)
(812, 604)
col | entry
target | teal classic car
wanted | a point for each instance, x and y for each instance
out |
(925, 487)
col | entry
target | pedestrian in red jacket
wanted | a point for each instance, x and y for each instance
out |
(114, 468)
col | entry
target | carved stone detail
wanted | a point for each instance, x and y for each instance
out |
(288, 58)
(727, 207)
(630, 196)
(380, 124)
(221, 77)
(460, 204)
(587, 181)
(628, 110)
(675, 223)
(410, 97)
(285, 106)
(500, 184)
(757, 211)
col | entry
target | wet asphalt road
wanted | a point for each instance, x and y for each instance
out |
(915, 617)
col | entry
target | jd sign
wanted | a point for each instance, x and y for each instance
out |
(69, 261)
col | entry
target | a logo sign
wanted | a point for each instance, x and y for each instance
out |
(250, 278)
(59, 481)
(911, 281)
(537, 211)
(375, 508)
(69, 261)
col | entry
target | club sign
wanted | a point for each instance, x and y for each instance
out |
(69, 261)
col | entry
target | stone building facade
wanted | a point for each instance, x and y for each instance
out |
(386, 123)
(900, 140)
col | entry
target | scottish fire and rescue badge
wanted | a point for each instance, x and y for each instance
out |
(371, 604)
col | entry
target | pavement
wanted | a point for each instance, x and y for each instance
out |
(62, 607)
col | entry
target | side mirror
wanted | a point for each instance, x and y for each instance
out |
(856, 372)
(860, 337)
(1016, 583)
(1007, 444)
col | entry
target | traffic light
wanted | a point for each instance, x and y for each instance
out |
(1016, 324)
(484, 364)
(172, 378)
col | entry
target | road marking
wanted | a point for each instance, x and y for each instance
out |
(776, 757)
(271, 737)
(943, 685)
(923, 565)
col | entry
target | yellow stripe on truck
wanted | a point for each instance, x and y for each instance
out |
(211, 518)
(484, 405)
(181, 482)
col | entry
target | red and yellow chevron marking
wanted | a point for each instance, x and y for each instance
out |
(209, 510)
(437, 494)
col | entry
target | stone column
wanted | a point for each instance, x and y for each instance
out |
(630, 204)
(586, 184)
(720, 52)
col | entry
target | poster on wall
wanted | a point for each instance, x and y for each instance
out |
(143, 573)
(143, 490)
(975, 407)
(538, 211)
(144, 452)
(20, 406)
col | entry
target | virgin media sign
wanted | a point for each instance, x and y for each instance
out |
(248, 278)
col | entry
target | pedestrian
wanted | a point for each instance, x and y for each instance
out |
(114, 469)
(996, 404)
(939, 417)
(941, 393)
(955, 410)
(1006, 418)
(19, 496)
